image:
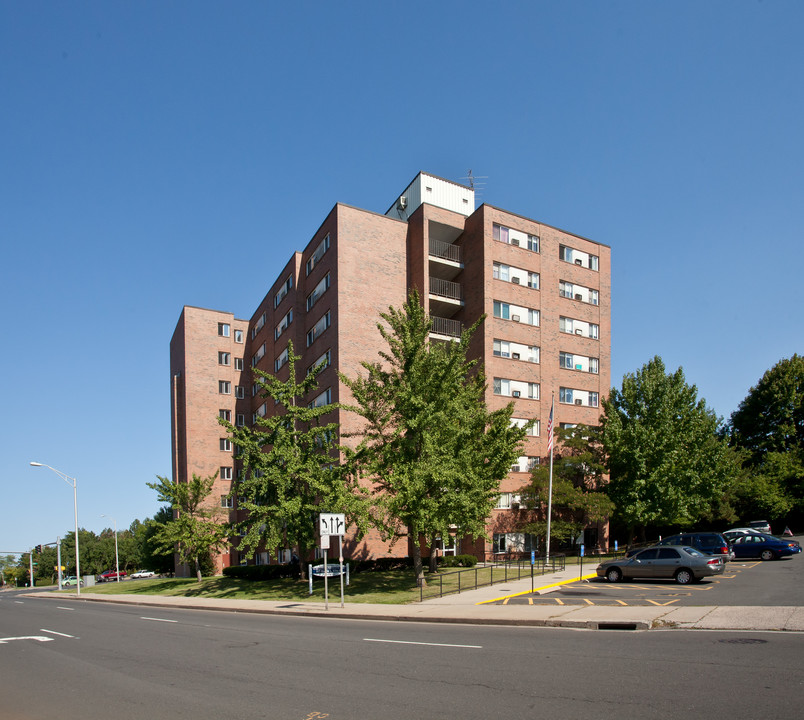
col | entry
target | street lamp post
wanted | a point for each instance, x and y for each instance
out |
(70, 481)
(116, 557)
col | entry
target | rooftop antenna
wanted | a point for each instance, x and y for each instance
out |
(473, 184)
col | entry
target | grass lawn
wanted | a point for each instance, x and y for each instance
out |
(391, 587)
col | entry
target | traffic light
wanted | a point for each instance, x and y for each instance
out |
(38, 549)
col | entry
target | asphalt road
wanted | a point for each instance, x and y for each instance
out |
(775, 583)
(73, 659)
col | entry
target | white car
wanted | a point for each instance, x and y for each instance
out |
(142, 574)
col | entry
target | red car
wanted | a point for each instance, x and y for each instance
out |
(110, 575)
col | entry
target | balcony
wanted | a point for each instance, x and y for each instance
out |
(445, 251)
(446, 327)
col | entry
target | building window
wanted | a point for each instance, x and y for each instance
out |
(577, 257)
(226, 445)
(566, 360)
(502, 348)
(533, 280)
(240, 420)
(226, 473)
(515, 237)
(283, 291)
(318, 291)
(225, 415)
(281, 360)
(238, 336)
(502, 386)
(317, 329)
(224, 387)
(498, 544)
(240, 392)
(565, 395)
(238, 364)
(283, 324)
(323, 360)
(258, 326)
(594, 364)
(224, 329)
(531, 425)
(227, 501)
(325, 398)
(502, 310)
(224, 358)
(501, 272)
(318, 253)
(257, 356)
(593, 399)
(533, 462)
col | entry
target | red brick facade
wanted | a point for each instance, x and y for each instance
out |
(371, 261)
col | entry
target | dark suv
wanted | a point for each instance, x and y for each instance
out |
(711, 543)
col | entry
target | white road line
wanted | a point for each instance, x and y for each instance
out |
(158, 619)
(53, 632)
(59, 607)
(410, 642)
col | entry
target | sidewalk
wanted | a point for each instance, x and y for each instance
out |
(474, 607)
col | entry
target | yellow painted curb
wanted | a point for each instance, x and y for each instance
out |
(536, 589)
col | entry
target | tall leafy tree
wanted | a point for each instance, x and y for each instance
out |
(197, 528)
(667, 463)
(434, 452)
(768, 426)
(290, 467)
(579, 496)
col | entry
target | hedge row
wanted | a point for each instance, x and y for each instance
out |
(274, 572)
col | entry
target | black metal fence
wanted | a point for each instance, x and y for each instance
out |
(489, 573)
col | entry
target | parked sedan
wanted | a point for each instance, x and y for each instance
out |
(711, 543)
(761, 526)
(110, 575)
(70, 580)
(142, 574)
(684, 564)
(760, 545)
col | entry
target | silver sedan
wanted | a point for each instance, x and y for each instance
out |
(683, 564)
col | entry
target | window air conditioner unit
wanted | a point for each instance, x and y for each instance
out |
(515, 280)
(515, 241)
(514, 505)
(515, 318)
(579, 262)
(515, 356)
(578, 296)
(579, 331)
(579, 402)
(515, 393)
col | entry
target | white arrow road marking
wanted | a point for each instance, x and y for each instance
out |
(409, 642)
(3, 641)
(53, 632)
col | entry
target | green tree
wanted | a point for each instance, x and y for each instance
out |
(667, 463)
(196, 529)
(150, 556)
(579, 496)
(434, 453)
(290, 468)
(768, 426)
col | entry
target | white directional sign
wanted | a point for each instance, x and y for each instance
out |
(332, 523)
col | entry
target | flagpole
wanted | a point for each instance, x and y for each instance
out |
(550, 487)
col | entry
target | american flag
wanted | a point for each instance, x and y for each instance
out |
(550, 428)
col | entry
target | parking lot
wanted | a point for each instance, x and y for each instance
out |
(743, 583)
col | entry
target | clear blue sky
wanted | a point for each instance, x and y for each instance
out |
(160, 154)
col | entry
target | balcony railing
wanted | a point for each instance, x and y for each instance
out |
(445, 288)
(446, 326)
(448, 251)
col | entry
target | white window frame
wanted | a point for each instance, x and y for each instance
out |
(224, 358)
(224, 329)
(224, 387)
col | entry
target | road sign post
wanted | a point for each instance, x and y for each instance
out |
(332, 524)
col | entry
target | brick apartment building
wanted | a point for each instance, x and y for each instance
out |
(546, 294)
